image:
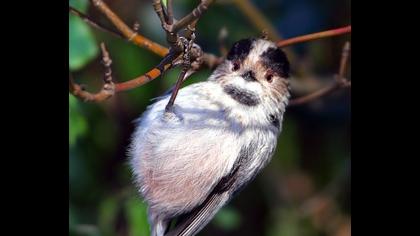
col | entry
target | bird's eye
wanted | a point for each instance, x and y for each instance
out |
(236, 66)
(269, 77)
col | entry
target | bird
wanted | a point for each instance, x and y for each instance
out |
(190, 161)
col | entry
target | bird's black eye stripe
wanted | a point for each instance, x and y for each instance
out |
(240, 49)
(276, 60)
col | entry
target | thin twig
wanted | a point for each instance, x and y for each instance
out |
(174, 93)
(171, 37)
(94, 24)
(339, 83)
(163, 66)
(170, 12)
(209, 60)
(157, 6)
(344, 59)
(166, 63)
(314, 36)
(139, 81)
(194, 15)
(181, 45)
(315, 95)
(188, 43)
(108, 89)
(128, 32)
(196, 54)
(198, 57)
(309, 37)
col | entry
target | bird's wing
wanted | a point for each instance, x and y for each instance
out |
(194, 221)
(197, 219)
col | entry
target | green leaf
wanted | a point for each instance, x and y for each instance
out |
(165, 3)
(82, 45)
(228, 219)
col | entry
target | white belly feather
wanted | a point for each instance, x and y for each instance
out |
(190, 151)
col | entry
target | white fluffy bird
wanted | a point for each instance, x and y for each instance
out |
(189, 161)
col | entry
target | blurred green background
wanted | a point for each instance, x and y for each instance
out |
(304, 191)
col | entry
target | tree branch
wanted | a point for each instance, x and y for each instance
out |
(344, 59)
(108, 89)
(340, 82)
(182, 46)
(181, 78)
(171, 37)
(208, 59)
(163, 66)
(194, 15)
(170, 12)
(157, 6)
(314, 36)
(94, 24)
(128, 32)
(188, 43)
(172, 56)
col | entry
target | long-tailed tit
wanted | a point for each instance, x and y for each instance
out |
(189, 161)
